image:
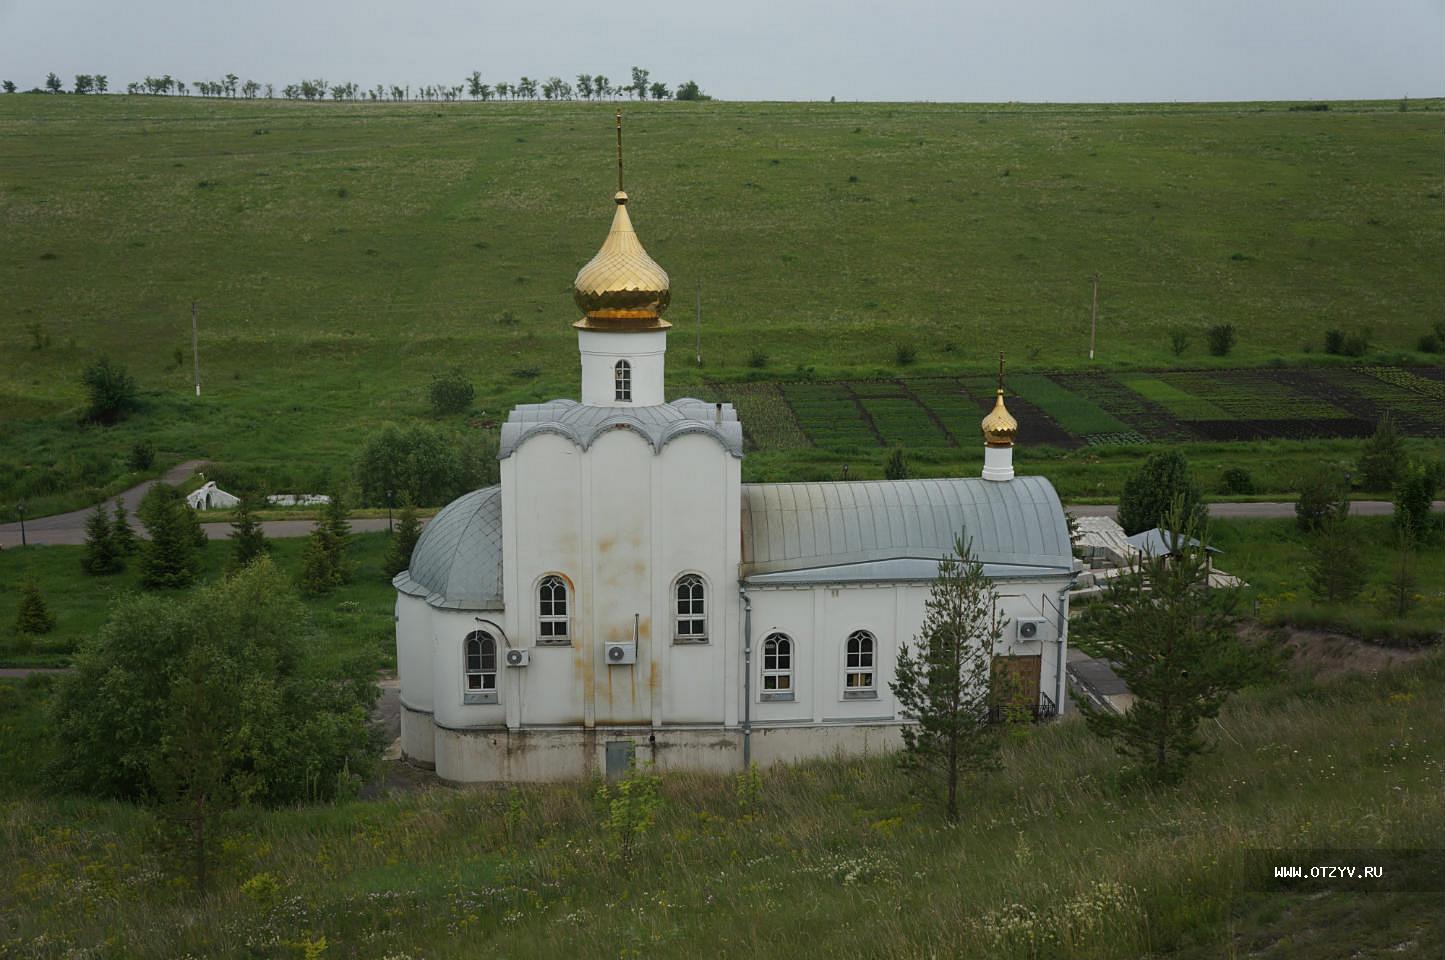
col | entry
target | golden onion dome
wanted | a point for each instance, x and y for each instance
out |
(1000, 429)
(622, 288)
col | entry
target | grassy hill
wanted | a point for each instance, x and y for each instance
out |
(344, 253)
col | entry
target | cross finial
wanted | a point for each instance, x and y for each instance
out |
(1000, 370)
(619, 151)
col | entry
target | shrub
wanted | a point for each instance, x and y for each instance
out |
(1383, 457)
(757, 359)
(450, 392)
(1324, 496)
(142, 455)
(1413, 494)
(403, 543)
(1237, 480)
(1429, 343)
(1151, 492)
(1178, 342)
(1334, 342)
(1356, 344)
(1221, 339)
(111, 389)
(1336, 562)
(897, 466)
(34, 617)
(904, 354)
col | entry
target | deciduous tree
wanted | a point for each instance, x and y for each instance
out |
(1150, 492)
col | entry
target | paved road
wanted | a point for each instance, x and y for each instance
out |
(69, 528)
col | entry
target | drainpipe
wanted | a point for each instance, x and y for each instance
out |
(1062, 642)
(747, 677)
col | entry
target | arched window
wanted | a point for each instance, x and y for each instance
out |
(622, 381)
(691, 609)
(552, 610)
(480, 652)
(858, 666)
(777, 667)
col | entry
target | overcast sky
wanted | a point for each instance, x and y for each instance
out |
(966, 50)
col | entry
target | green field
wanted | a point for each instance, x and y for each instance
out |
(342, 254)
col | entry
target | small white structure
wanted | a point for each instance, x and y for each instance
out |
(622, 593)
(298, 499)
(211, 497)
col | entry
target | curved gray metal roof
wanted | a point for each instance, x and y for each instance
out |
(797, 527)
(658, 425)
(457, 562)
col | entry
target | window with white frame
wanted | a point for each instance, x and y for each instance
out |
(777, 667)
(622, 381)
(858, 666)
(480, 674)
(552, 617)
(691, 619)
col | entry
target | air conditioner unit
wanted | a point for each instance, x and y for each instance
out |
(621, 653)
(518, 658)
(1033, 628)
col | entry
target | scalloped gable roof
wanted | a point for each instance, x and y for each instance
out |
(584, 423)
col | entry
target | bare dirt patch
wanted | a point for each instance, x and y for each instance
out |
(1321, 654)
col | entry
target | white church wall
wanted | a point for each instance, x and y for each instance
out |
(644, 350)
(696, 484)
(414, 674)
(542, 511)
(450, 709)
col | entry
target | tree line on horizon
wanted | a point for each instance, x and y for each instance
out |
(587, 87)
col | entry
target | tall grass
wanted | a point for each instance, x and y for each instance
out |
(1056, 856)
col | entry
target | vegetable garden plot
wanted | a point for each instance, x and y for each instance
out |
(1075, 414)
(1185, 406)
(1407, 380)
(1253, 395)
(1415, 414)
(1142, 416)
(902, 421)
(829, 415)
(1290, 429)
(768, 422)
(954, 408)
(1432, 373)
(869, 389)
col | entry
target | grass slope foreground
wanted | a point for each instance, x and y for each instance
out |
(344, 254)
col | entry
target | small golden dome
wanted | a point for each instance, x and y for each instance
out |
(1000, 429)
(622, 288)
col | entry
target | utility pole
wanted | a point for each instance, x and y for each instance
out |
(1094, 317)
(196, 348)
(699, 323)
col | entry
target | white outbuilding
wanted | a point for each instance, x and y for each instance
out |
(622, 594)
(211, 497)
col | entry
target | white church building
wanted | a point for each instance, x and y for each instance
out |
(623, 594)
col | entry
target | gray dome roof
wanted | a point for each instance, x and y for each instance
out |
(457, 562)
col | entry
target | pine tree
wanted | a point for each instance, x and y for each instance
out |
(1383, 457)
(170, 560)
(124, 538)
(337, 524)
(1172, 640)
(34, 617)
(101, 556)
(1335, 564)
(408, 531)
(317, 574)
(248, 540)
(945, 681)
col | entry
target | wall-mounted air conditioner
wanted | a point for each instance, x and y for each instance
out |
(518, 658)
(621, 653)
(1033, 628)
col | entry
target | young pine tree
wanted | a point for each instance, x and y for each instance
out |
(317, 573)
(170, 560)
(897, 466)
(1336, 563)
(101, 556)
(248, 540)
(337, 523)
(408, 531)
(124, 538)
(944, 681)
(1172, 640)
(34, 617)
